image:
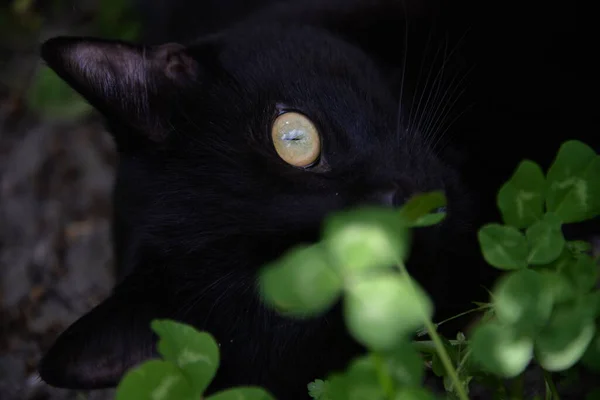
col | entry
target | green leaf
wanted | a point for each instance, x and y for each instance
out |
(405, 365)
(437, 366)
(566, 337)
(318, 389)
(593, 302)
(450, 387)
(582, 271)
(301, 282)
(545, 240)
(562, 262)
(500, 350)
(522, 298)
(196, 353)
(575, 273)
(521, 199)
(436, 362)
(556, 285)
(503, 247)
(579, 246)
(418, 207)
(363, 381)
(409, 393)
(337, 387)
(52, 97)
(242, 393)
(382, 310)
(591, 357)
(573, 191)
(429, 220)
(359, 382)
(366, 238)
(155, 380)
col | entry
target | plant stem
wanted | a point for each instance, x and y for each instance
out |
(385, 380)
(548, 395)
(462, 314)
(428, 346)
(443, 354)
(551, 385)
(517, 388)
(462, 362)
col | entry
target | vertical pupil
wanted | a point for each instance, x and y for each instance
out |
(293, 135)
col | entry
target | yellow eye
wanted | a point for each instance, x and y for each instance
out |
(296, 139)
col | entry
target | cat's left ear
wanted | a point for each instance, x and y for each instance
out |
(97, 349)
(120, 79)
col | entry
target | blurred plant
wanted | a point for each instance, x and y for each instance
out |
(189, 364)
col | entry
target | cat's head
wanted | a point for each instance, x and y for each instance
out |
(233, 149)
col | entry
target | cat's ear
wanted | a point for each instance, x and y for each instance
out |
(96, 350)
(120, 79)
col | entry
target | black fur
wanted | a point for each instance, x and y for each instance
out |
(203, 201)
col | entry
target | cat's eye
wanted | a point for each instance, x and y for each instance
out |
(296, 139)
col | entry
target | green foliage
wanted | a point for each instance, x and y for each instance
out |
(383, 310)
(301, 283)
(246, 393)
(50, 95)
(361, 240)
(545, 306)
(566, 337)
(521, 299)
(190, 362)
(504, 247)
(195, 353)
(417, 210)
(544, 309)
(521, 199)
(545, 240)
(317, 389)
(573, 185)
(501, 351)
(156, 379)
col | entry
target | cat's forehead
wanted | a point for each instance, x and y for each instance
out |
(294, 51)
(305, 67)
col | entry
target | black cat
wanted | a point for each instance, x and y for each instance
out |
(212, 182)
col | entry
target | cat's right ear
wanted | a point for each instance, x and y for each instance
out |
(122, 80)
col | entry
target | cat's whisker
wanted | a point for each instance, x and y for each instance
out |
(409, 130)
(400, 117)
(435, 87)
(438, 102)
(447, 97)
(413, 126)
(448, 106)
(436, 84)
